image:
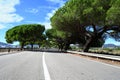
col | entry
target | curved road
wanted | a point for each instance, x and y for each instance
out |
(54, 66)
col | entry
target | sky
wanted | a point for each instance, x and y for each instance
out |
(17, 12)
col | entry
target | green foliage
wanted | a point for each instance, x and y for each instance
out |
(27, 33)
(51, 33)
(55, 37)
(86, 21)
(113, 14)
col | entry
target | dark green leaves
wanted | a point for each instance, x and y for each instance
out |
(25, 33)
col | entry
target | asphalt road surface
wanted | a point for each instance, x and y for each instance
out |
(54, 66)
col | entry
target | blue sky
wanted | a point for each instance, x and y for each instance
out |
(15, 12)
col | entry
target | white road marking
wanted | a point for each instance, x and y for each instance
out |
(46, 72)
(106, 64)
(114, 66)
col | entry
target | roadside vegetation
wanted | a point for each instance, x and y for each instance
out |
(110, 51)
(85, 22)
(99, 50)
(26, 34)
(88, 22)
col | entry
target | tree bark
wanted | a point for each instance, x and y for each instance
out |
(67, 46)
(22, 46)
(31, 46)
(97, 35)
(88, 45)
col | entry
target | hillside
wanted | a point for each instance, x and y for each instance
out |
(5, 45)
(110, 46)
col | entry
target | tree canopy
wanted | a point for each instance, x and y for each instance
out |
(58, 38)
(88, 20)
(29, 33)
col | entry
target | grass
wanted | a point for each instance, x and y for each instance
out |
(110, 51)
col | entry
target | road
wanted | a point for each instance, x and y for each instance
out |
(54, 66)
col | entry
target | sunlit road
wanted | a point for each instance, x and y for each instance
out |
(54, 66)
(21, 66)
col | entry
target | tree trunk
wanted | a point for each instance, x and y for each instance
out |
(88, 45)
(22, 46)
(39, 46)
(61, 47)
(67, 46)
(31, 46)
(96, 36)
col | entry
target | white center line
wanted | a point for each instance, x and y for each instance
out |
(46, 73)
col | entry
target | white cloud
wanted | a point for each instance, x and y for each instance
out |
(10, 18)
(50, 14)
(2, 26)
(8, 12)
(46, 24)
(32, 10)
(8, 26)
(47, 18)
